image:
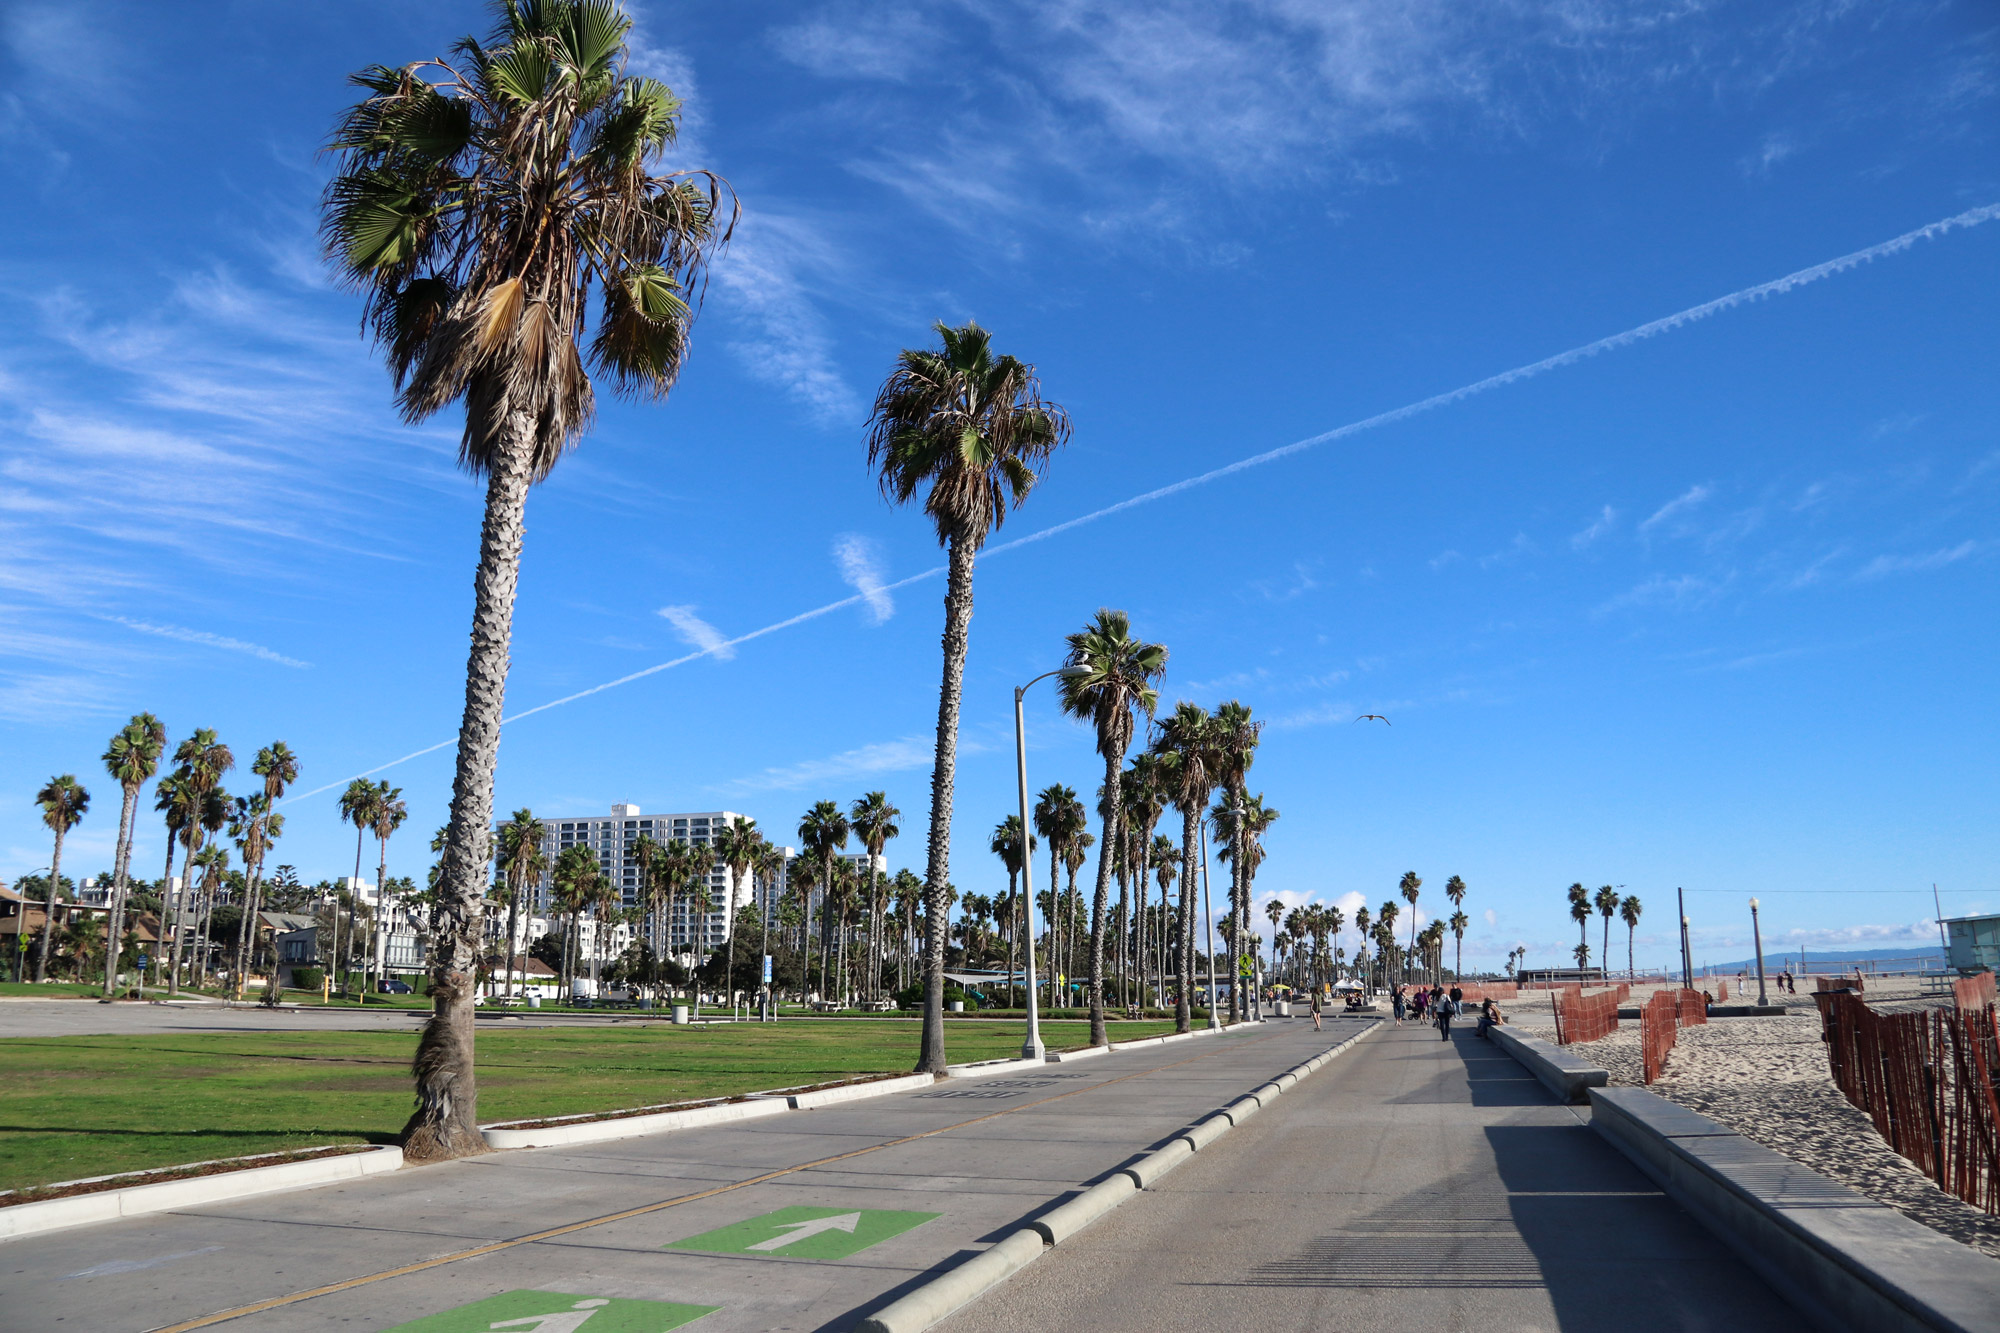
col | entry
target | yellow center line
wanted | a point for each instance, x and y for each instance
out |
(551, 1233)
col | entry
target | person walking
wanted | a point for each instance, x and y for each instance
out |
(1315, 1008)
(1397, 1003)
(1446, 1007)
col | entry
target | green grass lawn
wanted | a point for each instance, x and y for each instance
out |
(52, 990)
(89, 1106)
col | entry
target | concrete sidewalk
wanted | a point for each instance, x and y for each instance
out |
(1423, 1185)
(919, 1179)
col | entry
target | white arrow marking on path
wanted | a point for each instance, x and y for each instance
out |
(800, 1230)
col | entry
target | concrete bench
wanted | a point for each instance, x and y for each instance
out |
(1844, 1260)
(1569, 1077)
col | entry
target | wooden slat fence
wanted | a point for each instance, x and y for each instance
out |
(1926, 1079)
(1581, 1017)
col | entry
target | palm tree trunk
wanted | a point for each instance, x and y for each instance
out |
(1107, 845)
(1190, 877)
(168, 900)
(944, 776)
(191, 843)
(445, 1123)
(49, 912)
(513, 924)
(385, 919)
(120, 876)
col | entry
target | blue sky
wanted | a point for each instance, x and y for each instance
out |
(1710, 609)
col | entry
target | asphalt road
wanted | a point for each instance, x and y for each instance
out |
(1413, 1184)
(802, 1221)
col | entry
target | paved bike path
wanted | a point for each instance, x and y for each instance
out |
(1428, 1185)
(918, 1179)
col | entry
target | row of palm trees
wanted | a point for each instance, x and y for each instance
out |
(197, 809)
(1608, 903)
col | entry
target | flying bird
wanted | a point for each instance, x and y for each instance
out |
(1374, 717)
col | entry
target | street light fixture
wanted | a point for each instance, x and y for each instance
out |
(1757, 934)
(1031, 1044)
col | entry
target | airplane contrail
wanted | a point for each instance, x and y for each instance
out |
(1972, 217)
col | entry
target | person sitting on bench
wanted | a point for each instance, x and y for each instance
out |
(1489, 1017)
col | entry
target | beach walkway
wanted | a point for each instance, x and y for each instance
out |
(1413, 1184)
(801, 1221)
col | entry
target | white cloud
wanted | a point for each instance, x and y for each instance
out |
(1685, 593)
(766, 278)
(1680, 504)
(1600, 525)
(860, 564)
(1318, 715)
(1884, 565)
(1443, 558)
(873, 41)
(898, 756)
(697, 633)
(207, 640)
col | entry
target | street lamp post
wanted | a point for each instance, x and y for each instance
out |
(1757, 935)
(1031, 1044)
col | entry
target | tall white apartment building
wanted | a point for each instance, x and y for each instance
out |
(612, 837)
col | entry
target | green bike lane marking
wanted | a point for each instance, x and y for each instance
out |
(557, 1312)
(805, 1232)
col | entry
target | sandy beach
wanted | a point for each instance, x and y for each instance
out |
(1766, 1078)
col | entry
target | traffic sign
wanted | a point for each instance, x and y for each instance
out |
(558, 1312)
(806, 1232)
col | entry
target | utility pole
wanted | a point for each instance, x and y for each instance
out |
(1687, 959)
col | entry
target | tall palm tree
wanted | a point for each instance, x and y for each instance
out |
(390, 812)
(202, 760)
(909, 898)
(769, 869)
(1187, 749)
(1628, 912)
(1140, 789)
(1236, 749)
(483, 199)
(1410, 886)
(873, 820)
(572, 887)
(1166, 859)
(970, 429)
(1059, 816)
(1006, 844)
(254, 826)
(1107, 679)
(132, 758)
(358, 804)
(522, 862)
(736, 846)
(1459, 922)
(279, 769)
(823, 832)
(1362, 918)
(174, 798)
(214, 863)
(1579, 912)
(63, 802)
(698, 864)
(1606, 901)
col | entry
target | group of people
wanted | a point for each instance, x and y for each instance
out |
(1438, 1006)
(1784, 981)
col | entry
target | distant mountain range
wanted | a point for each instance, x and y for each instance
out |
(1824, 960)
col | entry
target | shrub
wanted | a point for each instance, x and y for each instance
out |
(308, 978)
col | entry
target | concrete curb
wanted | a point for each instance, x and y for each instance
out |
(633, 1126)
(1065, 1057)
(1569, 1077)
(854, 1092)
(955, 1289)
(986, 1067)
(960, 1287)
(1059, 1224)
(25, 1219)
(1843, 1260)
